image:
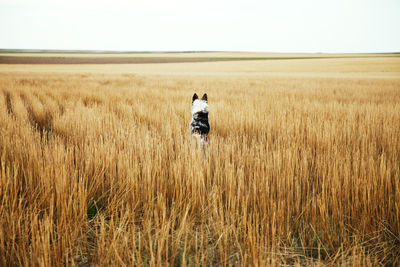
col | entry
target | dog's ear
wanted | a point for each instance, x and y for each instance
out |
(195, 97)
(204, 97)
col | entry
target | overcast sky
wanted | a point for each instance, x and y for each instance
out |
(202, 25)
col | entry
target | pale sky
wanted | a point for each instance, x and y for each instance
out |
(202, 25)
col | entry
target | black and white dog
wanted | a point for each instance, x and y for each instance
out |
(199, 125)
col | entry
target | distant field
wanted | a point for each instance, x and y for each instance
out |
(107, 60)
(147, 58)
(187, 54)
(129, 60)
(372, 67)
(98, 168)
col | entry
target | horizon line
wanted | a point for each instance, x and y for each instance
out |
(101, 51)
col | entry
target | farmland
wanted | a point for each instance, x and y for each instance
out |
(97, 165)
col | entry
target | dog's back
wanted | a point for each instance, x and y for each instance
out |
(199, 126)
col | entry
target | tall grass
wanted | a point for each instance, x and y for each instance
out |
(102, 170)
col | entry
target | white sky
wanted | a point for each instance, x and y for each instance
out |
(202, 25)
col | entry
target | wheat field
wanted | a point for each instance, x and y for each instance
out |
(302, 168)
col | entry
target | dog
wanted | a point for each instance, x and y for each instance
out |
(199, 125)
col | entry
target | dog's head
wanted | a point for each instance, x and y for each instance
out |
(199, 105)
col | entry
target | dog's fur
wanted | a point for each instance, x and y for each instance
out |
(199, 125)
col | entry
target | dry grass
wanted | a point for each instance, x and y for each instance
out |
(100, 169)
